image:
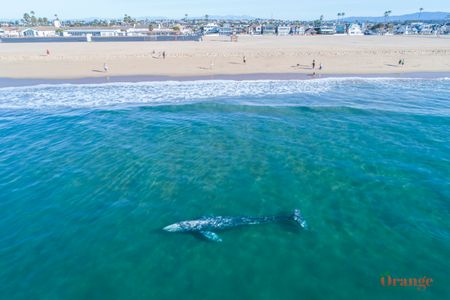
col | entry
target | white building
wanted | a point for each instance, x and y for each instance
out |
(56, 23)
(355, 29)
(137, 31)
(95, 32)
(284, 30)
(269, 29)
(257, 30)
(38, 32)
(211, 29)
(298, 30)
(326, 30)
(427, 29)
(9, 32)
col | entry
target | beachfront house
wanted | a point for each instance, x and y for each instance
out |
(402, 29)
(326, 30)
(427, 29)
(444, 29)
(269, 29)
(103, 32)
(165, 29)
(255, 30)
(354, 29)
(226, 29)
(298, 30)
(340, 29)
(137, 30)
(44, 31)
(9, 32)
(283, 30)
(211, 29)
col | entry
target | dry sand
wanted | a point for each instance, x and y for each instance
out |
(217, 55)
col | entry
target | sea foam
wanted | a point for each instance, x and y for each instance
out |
(348, 92)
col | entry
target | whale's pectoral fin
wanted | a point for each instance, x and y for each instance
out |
(212, 236)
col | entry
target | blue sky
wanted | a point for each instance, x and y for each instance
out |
(287, 9)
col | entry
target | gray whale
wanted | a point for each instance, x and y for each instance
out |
(206, 226)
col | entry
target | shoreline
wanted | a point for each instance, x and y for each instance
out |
(22, 82)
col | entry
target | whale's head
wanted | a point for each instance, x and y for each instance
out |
(173, 228)
(185, 226)
(299, 219)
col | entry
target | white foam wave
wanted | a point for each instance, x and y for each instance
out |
(177, 92)
(150, 93)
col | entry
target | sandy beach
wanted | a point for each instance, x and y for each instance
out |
(219, 56)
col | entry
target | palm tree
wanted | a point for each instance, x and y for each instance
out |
(339, 15)
(386, 15)
(420, 12)
(33, 18)
(206, 17)
(26, 18)
(342, 15)
(185, 17)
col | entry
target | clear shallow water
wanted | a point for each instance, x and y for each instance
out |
(90, 173)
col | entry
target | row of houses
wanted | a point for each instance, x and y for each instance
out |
(282, 30)
(327, 29)
(225, 29)
(422, 28)
(52, 31)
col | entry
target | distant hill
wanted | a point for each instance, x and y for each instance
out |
(424, 16)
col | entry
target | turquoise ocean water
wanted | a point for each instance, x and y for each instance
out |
(89, 174)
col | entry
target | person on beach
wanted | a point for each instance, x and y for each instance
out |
(105, 67)
(320, 66)
(48, 52)
(314, 64)
(164, 54)
(244, 60)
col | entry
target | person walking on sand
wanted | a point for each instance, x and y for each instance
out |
(48, 52)
(105, 67)
(320, 66)
(164, 54)
(244, 60)
(314, 64)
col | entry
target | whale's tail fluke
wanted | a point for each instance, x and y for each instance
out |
(297, 216)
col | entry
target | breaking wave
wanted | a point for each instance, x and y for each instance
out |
(378, 93)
